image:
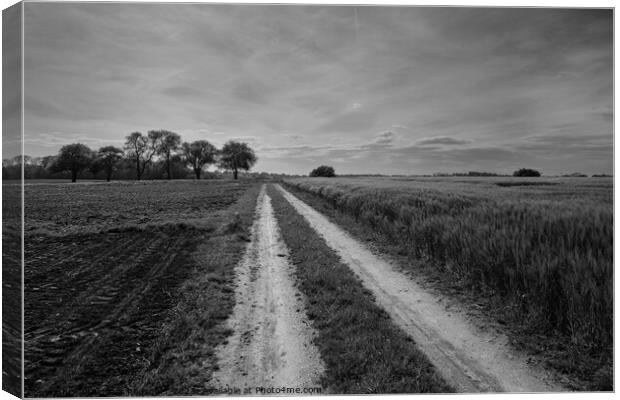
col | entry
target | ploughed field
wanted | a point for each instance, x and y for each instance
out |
(11, 289)
(116, 276)
(60, 209)
(535, 254)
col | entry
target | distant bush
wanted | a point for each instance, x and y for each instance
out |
(526, 172)
(323, 170)
(575, 175)
(481, 173)
(601, 176)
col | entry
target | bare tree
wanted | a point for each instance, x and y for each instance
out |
(236, 156)
(198, 154)
(166, 143)
(141, 150)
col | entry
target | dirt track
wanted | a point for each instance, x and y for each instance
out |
(469, 359)
(271, 344)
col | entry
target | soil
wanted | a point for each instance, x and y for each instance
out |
(57, 209)
(11, 313)
(104, 267)
(271, 345)
(12, 290)
(469, 358)
(90, 320)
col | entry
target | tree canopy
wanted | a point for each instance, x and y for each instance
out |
(166, 143)
(235, 156)
(141, 150)
(323, 170)
(526, 172)
(108, 157)
(198, 154)
(158, 154)
(75, 158)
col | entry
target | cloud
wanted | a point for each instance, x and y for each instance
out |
(349, 122)
(183, 91)
(386, 137)
(246, 139)
(442, 140)
(59, 139)
(562, 147)
(396, 126)
(293, 136)
(449, 83)
(481, 154)
(354, 106)
(562, 140)
(296, 152)
(251, 91)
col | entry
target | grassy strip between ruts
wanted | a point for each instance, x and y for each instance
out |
(363, 351)
(183, 358)
(578, 370)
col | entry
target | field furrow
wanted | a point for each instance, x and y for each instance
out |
(111, 300)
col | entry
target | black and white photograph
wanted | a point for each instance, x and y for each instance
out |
(226, 199)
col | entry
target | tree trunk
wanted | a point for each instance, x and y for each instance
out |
(197, 172)
(168, 166)
(138, 174)
(73, 175)
(235, 173)
(109, 175)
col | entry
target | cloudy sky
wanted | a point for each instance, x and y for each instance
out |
(396, 90)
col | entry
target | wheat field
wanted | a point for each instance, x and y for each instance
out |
(543, 246)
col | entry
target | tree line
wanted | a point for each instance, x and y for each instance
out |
(158, 154)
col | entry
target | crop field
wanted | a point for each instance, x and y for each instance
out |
(187, 287)
(11, 288)
(539, 250)
(118, 277)
(94, 207)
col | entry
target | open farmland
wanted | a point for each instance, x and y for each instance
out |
(189, 288)
(90, 207)
(126, 284)
(11, 289)
(537, 254)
